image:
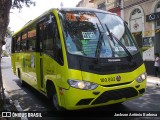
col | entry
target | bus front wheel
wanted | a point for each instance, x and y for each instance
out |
(55, 102)
(52, 95)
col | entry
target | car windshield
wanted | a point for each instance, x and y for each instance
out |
(86, 33)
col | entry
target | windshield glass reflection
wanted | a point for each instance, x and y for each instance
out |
(84, 30)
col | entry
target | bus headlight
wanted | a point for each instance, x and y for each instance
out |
(82, 84)
(141, 78)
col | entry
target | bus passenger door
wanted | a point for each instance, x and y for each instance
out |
(46, 47)
(40, 39)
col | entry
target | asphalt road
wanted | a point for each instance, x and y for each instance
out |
(32, 101)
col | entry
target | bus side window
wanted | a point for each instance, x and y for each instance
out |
(51, 42)
(31, 43)
(13, 47)
(24, 42)
(57, 44)
(41, 35)
(17, 43)
(48, 36)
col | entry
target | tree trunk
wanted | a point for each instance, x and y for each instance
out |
(5, 6)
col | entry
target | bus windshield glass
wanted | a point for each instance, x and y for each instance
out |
(86, 33)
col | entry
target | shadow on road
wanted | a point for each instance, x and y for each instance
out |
(29, 98)
(148, 102)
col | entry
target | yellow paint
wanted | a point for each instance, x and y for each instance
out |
(29, 65)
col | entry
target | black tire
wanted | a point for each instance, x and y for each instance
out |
(53, 98)
(55, 103)
(22, 84)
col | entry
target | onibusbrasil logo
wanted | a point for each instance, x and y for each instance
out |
(14, 114)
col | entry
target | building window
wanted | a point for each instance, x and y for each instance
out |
(102, 6)
(158, 24)
(158, 6)
(136, 25)
(136, 11)
(117, 3)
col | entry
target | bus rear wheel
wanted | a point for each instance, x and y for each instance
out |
(20, 79)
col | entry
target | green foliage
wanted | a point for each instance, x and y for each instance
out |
(4, 53)
(9, 32)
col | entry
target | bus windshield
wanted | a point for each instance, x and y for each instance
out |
(86, 33)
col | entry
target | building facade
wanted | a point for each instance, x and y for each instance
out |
(86, 3)
(109, 5)
(143, 18)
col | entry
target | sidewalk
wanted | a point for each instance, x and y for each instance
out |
(8, 106)
(153, 80)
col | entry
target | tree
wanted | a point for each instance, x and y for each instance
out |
(5, 6)
(9, 32)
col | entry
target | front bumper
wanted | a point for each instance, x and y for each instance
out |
(102, 95)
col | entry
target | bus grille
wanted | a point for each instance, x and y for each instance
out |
(84, 101)
(116, 95)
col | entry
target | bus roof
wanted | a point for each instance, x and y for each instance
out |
(63, 9)
(84, 9)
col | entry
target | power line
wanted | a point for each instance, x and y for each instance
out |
(19, 17)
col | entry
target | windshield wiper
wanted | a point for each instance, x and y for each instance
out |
(99, 44)
(111, 35)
